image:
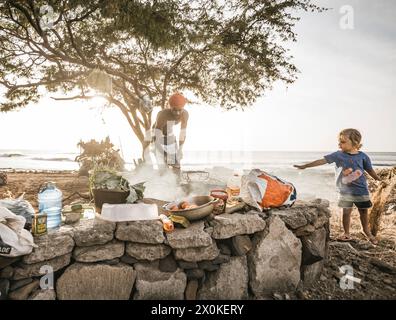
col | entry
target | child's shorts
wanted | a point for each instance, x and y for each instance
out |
(358, 204)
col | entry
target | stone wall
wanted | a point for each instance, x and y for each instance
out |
(244, 255)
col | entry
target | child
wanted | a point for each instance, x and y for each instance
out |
(350, 180)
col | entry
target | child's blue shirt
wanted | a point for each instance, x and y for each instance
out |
(344, 161)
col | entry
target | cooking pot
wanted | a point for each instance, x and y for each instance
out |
(205, 207)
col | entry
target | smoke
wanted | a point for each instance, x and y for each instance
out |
(160, 184)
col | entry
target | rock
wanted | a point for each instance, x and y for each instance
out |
(93, 231)
(274, 261)
(241, 245)
(224, 249)
(168, 264)
(187, 265)
(230, 282)
(304, 231)
(191, 290)
(152, 284)
(277, 296)
(321, 203)
(150, 231)
(128, 259)
(221, 258)
(345, 246)
(33, 270)
(4, 288)
(197, 254)
(195, 273)
(293, 217)
(7, 272)
(208, 265)
(24, 292)
(310, 252)
(112, 261)
(71, 218)
(234, 208)
(82, 281)
(314, 251)
(148, 252)
(230, 225)
(191, 237)
(43, 295)
(4, 262)
(20, 283)
(320, 222)
(209, 230)
(111, 250)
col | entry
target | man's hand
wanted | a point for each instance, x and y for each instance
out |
(300, 166)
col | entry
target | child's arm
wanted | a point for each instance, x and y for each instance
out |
(373, 174)
(312, 164)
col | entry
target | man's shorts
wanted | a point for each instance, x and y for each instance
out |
(358, 204)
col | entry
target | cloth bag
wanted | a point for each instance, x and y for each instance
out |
(14, 239)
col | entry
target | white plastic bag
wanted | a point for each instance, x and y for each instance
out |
(14, 239)
(262, 190)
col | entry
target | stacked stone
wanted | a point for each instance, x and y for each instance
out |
(309, 221)
(244, 255)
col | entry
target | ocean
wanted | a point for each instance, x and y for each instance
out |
(310, 183)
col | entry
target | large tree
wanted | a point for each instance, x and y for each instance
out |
(226, 52)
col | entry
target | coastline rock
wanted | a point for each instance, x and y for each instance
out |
(93, 232)
(241, 245)
(230, 282)
(230, 225)
(312, 272)
(274, 262)
(33, 270)
(148, 252)
(152, 284)
(51, 245)
(193, 236)
(146, 231)
(24, 292)
(197, 254)
(111, 250)
(82, 281)
(43, 295)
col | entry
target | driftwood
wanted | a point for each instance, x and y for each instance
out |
(380, 198)
(383, 266)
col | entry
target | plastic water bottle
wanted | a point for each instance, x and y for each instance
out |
(234, 187)
(50, 202)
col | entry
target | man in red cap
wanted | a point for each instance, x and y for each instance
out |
(165, 140)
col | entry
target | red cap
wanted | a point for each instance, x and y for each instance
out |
(177, 100)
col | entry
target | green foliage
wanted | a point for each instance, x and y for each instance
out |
(96, 153)
(103, 177)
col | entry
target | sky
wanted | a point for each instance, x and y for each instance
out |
(347, 79)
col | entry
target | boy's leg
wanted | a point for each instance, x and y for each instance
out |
(364, 219)
(346, 220)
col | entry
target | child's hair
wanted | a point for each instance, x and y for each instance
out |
(353, 135)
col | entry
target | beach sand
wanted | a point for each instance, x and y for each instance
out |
(72, 186)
